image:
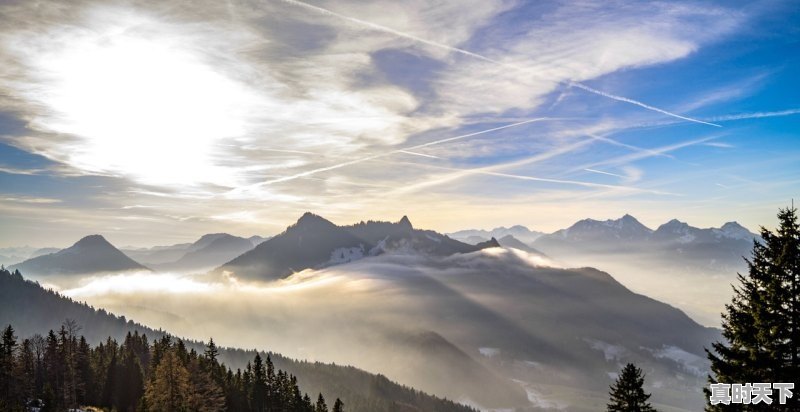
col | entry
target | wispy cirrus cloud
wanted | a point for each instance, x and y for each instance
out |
(252, 112)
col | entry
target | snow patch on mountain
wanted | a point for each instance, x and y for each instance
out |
(433, 238)
(610, 351)
(690, 362)
(345, 255)
(539, 399)
(489, 352)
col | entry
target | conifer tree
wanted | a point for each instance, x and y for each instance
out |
(321, 406)
(26, 370)
(627, 393)
(258, 393)
(211, 351)
(10, 393)
(338, 406)
(761, 324)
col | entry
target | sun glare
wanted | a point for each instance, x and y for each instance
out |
(147, 107)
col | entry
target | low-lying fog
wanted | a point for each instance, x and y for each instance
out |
(463, 326)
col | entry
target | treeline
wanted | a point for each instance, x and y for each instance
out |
(61, 371)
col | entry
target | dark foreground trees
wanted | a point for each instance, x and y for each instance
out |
(61, 371)
(761, 324)
(627, 393)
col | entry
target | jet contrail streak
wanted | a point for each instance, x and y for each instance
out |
(756, 115)
(642, 155)
(582, 86)
(638, 103)
(389, 153)
(605, 173)
(419, 154)
(488, 171)
(628, 146)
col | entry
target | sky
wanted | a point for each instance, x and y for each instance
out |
(154, 122)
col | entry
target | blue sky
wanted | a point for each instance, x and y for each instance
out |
(154, 123)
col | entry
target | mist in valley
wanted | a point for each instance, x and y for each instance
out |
(496, 328)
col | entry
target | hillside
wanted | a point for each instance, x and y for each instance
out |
(33, 309)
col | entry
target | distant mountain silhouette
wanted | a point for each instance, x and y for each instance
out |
(209, 252)
(43, 251)
(92, 254)
(13, 255)
(311, 242)
(402, 236)
(512, 242)
(596, 234)
(217, 248)
(473, 236)
(256, 240)
(315, 242)
(675, 242)
(157, 255)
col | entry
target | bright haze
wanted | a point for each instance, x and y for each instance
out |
(149, 120)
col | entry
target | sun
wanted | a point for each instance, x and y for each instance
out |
(151, 107)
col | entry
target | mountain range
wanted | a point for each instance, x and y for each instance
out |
(489, 326)
(627, 234)
(478, 235)
(208, 252)
(314, 242)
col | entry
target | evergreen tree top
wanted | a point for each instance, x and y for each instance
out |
(627, 393)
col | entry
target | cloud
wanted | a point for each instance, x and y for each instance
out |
(314, 101)
(33, 200)
(575, 42)
(517, 69)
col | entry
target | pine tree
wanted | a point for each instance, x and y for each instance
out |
(761, 323)
(321, 406)
(10, 388)
(26, 370)
(627, 393)
(211, 351)
(338, 406)
(258, 393)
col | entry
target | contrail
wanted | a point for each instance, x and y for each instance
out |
(641, 155)
(605, 173)
(756, 115)
(488, 171)
(627, 146)
(438, 45)
(389, 153)
(638, 103)
(419, 154)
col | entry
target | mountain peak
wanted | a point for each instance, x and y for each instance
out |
(488, 244)
(310, 217)
(732, 226)
(91, 254)
(92, 241)
(312, 222)
(736, 231)
(673, 224)
(627, 218)
(405, 222)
